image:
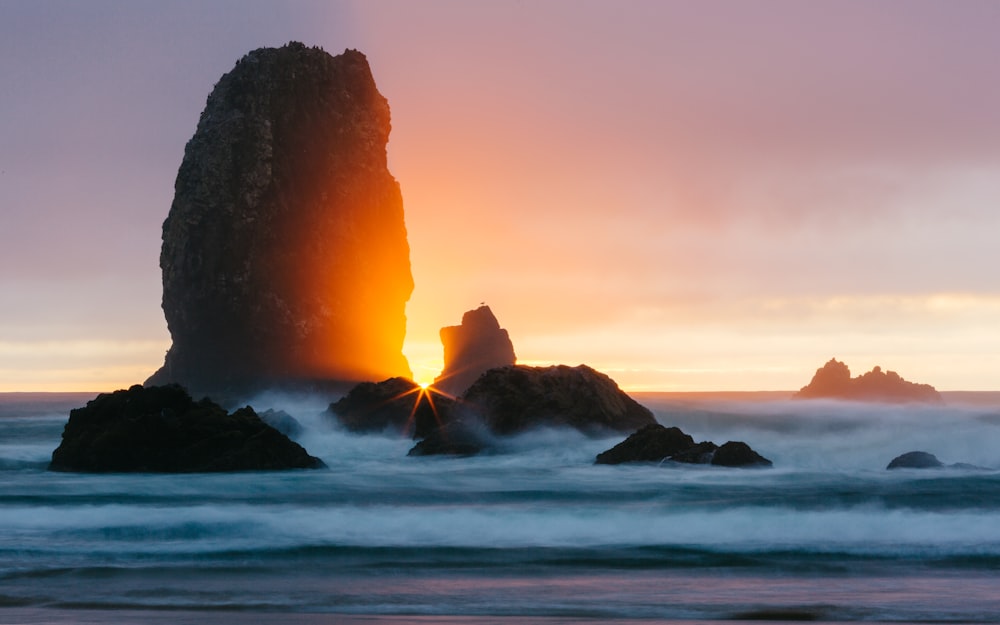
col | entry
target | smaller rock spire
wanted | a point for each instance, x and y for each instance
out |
(472, 348)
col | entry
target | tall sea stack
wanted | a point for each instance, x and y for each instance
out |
(284, 258)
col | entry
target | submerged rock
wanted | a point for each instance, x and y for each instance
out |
(517, 398)
(397, 404)
(656, 443)
(162, 430)
(833, 381)
(472, 348)
(285, 258)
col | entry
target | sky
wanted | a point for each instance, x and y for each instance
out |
(687, 195)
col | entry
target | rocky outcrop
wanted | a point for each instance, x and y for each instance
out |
(925, 460)
(454, 439)
(833, 381)
(162, 430)
(738, 454)
(397, 404)
(517, 398)
(656, 443)
(702, 453)
(915, 460)
(285, 259)
(472, 348)
(502, 401)
(652, 443)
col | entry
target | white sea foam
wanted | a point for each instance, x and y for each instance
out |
(380, 530)
(211, 528)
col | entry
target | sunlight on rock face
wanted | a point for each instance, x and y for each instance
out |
(285, 257)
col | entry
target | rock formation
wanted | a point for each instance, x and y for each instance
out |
(656, 443)
(738, 454)
(397, 404)
(471, 349)
(652, 443)
(516, 398)
(925, 460)
(505, 400)
(162, 430)
(285, 258)
(454, 439)
(915, 460)
(833, 381)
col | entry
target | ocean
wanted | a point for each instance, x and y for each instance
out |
(532, 533)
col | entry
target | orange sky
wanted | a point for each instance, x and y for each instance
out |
(686, 195)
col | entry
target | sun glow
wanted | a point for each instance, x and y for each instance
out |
(424, 410)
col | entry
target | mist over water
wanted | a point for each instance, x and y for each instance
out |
(533, 529)
(826, 434)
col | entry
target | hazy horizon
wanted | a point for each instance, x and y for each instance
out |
(715, 196)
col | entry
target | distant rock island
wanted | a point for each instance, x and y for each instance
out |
(160, 429)
(927, 460)
(472, 348)
(285, 258)
(915, 460)
(833, 381)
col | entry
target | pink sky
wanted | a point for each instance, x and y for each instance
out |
(686, 195)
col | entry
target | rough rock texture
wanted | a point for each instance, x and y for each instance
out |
(396, 404)
(471, 349)
(652, 443)
(915, 460)
(285, 258)
(516, 398)
(656, 443)
(833, 381)
(162, 430)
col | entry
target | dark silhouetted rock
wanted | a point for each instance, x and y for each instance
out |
(516, 398)
(471, 349)
(162, 430)
(833, 381)
(397, 404)
(915, 460)
(285, 260)
(656, 443)
(454, 439)
(738, 454)
(701, 453)
(652, 443)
